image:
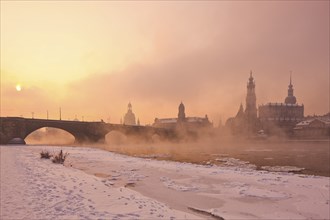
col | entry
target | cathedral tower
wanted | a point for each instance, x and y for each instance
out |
(182, 114)
(251, 107)
(290, 99)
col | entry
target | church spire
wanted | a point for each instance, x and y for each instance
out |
(240, 113)
(290, 99)
(290, 77)
(251, 78)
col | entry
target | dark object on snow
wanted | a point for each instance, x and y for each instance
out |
(60, 157)
(45, 155)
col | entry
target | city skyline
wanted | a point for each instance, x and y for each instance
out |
(92, 58)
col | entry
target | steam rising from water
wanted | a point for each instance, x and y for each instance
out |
(311, 155)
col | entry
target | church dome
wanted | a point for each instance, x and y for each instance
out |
(129, 118)
(290, 100)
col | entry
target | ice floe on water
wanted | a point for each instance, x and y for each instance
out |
(240, 189)
(233, 162)
(153, 156)
(169, 183)
(214, 213)
(282, 168)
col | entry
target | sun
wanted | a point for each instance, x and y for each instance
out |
(18, 87)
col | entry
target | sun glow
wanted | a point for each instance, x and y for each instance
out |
(18, 87)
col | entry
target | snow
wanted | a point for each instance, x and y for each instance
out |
(96, 184)
(35, 188)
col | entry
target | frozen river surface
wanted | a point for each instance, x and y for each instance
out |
(96, 184)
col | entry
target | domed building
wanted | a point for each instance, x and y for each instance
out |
(129, 118)
(272, 117)
(182, 121)
(282, 115)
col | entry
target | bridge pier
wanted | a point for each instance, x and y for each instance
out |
(12, 139)
(10, 129)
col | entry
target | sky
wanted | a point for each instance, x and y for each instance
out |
(90, 58)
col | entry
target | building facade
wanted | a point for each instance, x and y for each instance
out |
(281, 112)
(281, 115)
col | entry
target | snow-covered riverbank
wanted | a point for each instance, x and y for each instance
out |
(97, 184)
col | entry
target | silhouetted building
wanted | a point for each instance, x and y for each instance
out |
(246, 121)
(182, 121)
(181, 114)
(290, 99)
(282, 115)
(313, 128)
(129, 118)
(251, 106)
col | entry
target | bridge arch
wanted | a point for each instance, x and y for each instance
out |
(50, 136)
(30, 128)
(83, 132)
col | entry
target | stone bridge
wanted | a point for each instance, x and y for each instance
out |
(17, 127)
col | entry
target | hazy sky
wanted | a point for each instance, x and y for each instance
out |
(92, 58)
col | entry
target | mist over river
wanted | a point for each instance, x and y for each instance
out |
(313, 156)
